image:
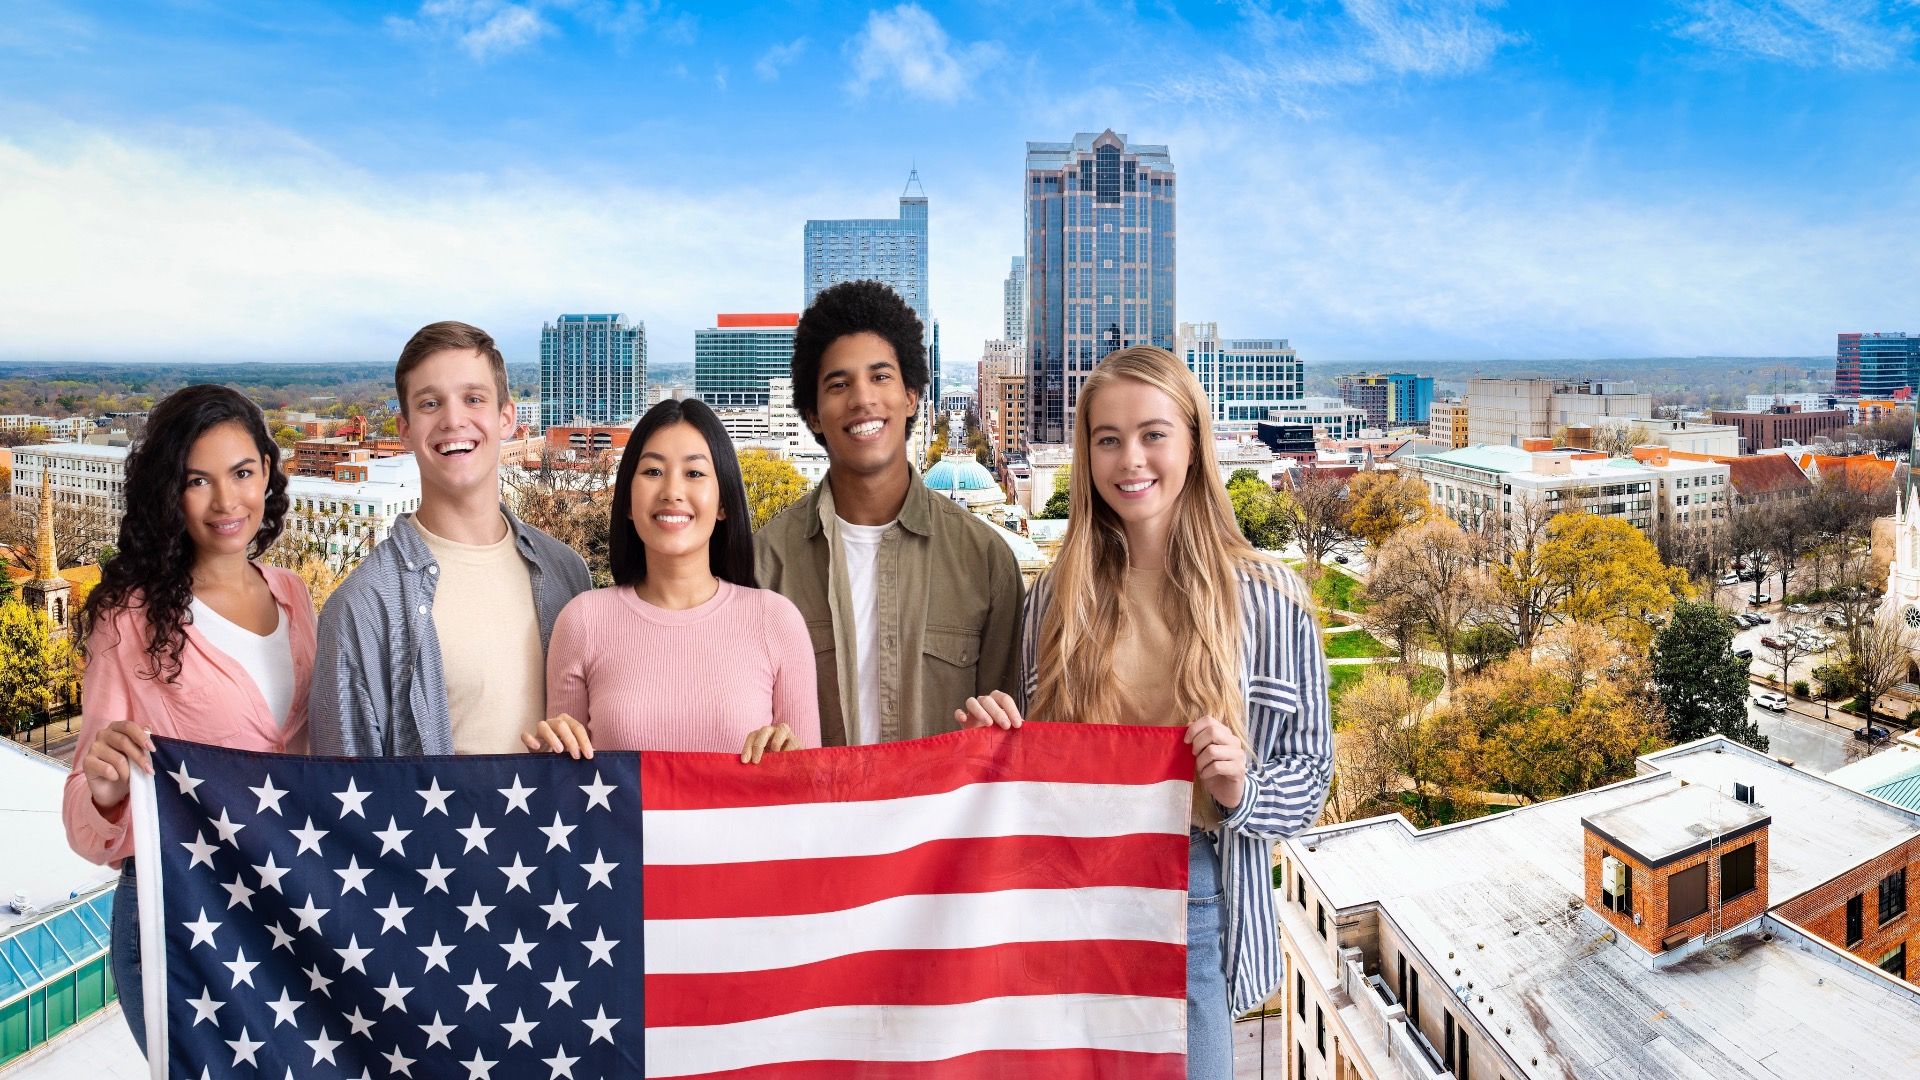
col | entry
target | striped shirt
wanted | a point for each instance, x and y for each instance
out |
(379, 685)
(1290, 742)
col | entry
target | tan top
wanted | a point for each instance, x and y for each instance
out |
(496, 671)
(1144, 654)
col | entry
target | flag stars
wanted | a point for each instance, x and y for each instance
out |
(477, 992)
(392, 836)
(601, 1026)
(519, 951)
(479, 1068)
(201, 851)
(186, 782)
(398, 1064)
(353, 957)
(309, 838)
(268, 795)
(283, 1009)
(559, 912)
(517, 796)
(358, 1024)
(393, 996)
(353, 878)
(281, 939)
(437, 1032)
(601, 948)
(518, 875)
(436, 876)
(393, 916)
(238, 894)
(520, 1029)
(270, 873)
(309, 915)
(557, 833)
(204, 1007)
(202, 930)
(476, 835)
(599, 871)
(244, 1049)
(437, 954)
(560, 1063)
(241, 967)
(351, 800)
(436, 798)
(597, 793)
(316, 982)
(560, 989)
(476, 914)
(322, 1048)
(226, 827)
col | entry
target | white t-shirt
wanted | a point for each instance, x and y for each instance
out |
(860, 545)
(267, 658)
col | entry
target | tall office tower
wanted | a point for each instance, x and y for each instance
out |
(1392, 400)
(997, 358)
(934, 390)
(735, 357)
(1100, 261)
(1244, 378)
(1014, 302)
(593, 369)
(1876, 365)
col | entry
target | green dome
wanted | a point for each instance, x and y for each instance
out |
(960, 472)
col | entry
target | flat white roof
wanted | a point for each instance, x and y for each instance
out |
(1501, 899)
(34, 856)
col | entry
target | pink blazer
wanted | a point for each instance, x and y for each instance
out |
(213, 701)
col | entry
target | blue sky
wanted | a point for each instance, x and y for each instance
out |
(1379, 181)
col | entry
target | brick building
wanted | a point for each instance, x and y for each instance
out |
(1773, 428)
(1720, 914)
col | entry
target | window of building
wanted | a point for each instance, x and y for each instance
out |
(1893, 896)
(1320, 920)
(1446, 1041)
(1300, 994)
(1855, 909)
(1895, 962)
(1463, 1071)
(1687, 894)
(1737, 873)
(1320, 1030)
(1302, 1070)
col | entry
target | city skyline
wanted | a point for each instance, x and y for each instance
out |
(1355, 177)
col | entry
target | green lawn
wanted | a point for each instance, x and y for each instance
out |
(1356, 644)
(1336, 590)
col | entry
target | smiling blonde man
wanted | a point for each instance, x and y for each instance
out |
(436, 643)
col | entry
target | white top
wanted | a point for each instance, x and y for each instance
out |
(267, 658)
(860, 544)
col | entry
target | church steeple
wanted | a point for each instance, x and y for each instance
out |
(48, 591)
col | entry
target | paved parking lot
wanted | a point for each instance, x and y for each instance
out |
(1811, 743)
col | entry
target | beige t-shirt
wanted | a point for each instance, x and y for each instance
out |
(1144, 656)
(490, 649)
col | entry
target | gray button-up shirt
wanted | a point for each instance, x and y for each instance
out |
(379, 688)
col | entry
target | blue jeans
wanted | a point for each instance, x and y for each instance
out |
(1209, 1028)
(125, 956)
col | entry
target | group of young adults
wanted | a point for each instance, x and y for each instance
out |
(871, 611)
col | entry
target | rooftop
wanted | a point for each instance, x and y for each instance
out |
(39, 862)
(1501, 899)
(1675, 823)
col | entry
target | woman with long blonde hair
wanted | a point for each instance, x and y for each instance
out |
(1153, 571)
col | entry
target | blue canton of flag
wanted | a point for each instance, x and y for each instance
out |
(471, 918)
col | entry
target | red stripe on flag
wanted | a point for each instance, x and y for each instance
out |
(971, 865)
(986, 1065)
(921, 977)
(1046, 753)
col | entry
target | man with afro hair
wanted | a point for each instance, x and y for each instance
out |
(913, 603)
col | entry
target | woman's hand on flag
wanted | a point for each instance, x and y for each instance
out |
(121, 747)
(762, 740)
(562, 734)
(996, 709)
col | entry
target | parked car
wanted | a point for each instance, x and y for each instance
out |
(1763, 598)
(1798, 609)
(1730, 579)
(1744, 654)
(1341, 559)
(1768, 699)
(1744, 620)
(1872, 733)
(1770, 643)
(1833, 619)
(1759, 619)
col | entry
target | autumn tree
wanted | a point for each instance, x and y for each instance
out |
(1701, 683)
(570, 501)
(1429, 571)
(1607, 573)
(1380, 504)
(1883, 656)
(1317, 516)
(36, 669)
(1526, 592)
(1383, 748)
(79, 531)
(773, 484)
(1260, 511)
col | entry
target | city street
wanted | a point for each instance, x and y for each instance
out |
(1812, 744)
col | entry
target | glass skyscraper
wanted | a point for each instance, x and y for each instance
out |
(892, 251)
(734, 359)
(1244, 378)
(1876, 365)
(593, 368)
(1014, 303)
(1099, 262)
(1398, 398)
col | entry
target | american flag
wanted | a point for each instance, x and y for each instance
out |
(980, 904)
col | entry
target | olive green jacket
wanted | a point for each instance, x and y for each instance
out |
(950, 597)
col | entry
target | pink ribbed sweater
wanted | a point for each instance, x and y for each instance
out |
(646, 678)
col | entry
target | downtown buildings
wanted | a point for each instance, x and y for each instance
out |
(593, 369)
(1244, 378)
(1391, 401)
(736, 357)
(1876, 365)
(1099, 228)
(1504, 412)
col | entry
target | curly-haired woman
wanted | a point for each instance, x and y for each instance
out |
(186, 635)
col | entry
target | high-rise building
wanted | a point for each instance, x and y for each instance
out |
(1010, 436)
(1014, 302)
(593, 368)
(1876, 365)
(1099, 261)
(1395, 400)
(1503, 412)
(735, 357)
(1244, 378)
(1447, 422)
(997, 358)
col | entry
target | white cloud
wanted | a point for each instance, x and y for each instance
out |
(483, 29)
(777, 57)
(908, 46)
(1861, 34)
(1369, 40)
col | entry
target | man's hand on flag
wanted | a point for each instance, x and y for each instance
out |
(115, 753)
(997, 709)
(560, 735)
